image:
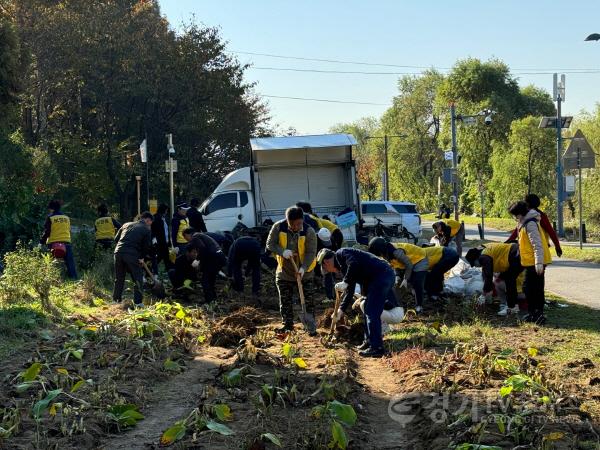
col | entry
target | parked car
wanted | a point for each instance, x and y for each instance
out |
(392, 214)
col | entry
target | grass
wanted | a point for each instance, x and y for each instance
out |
(498, 223)
(585, 254)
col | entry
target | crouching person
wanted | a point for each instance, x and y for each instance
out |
(409, 257)
(376, 278)
(440, 261)
(245, 248)
(392, 313)
(186, 267)
(210, 259)
(291, 240)
(504, 260)
(450, 233)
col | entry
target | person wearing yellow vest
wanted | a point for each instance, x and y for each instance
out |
(450, 233)
(179, 223)
(407, 257)
(106, 228)
(292, 238)
(57, 233)
(440, 260)
(535, 256)
(504, 260)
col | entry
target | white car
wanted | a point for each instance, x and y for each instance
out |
(392, 214)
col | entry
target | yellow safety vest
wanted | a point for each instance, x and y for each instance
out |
(434, 254)
(414, 253)
(454, 226)
(105, 229)
(324, 223)
(526, 249)
(183, 224)
(499, 253)
(60, 229)
(283, 228)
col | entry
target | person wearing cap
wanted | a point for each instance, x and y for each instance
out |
(210, 260)
(105, 227)
(450, 233)
(407, 257)
(245, 248)
(503, 259)
(179, 223)
(57, 236)
(195, 216)
(376, 278)
(133, 244)
(292, 239)
(337, 237)
(440, 260)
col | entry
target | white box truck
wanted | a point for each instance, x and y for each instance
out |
(318, 169)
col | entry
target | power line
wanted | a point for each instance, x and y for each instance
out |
(524, 71)
(325, 100)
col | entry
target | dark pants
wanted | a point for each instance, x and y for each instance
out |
(434, 283)
(286, 291)
(161, 253)
(253, 268)
(417, 281)
(337, 239)
(124, 264)
(69, 261)
(181, 248)
(104, 244)
(208, 281)
(328, 284)
(533, 287)
(377, 293)
(510, 279)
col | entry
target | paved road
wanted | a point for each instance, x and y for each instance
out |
(574, 280)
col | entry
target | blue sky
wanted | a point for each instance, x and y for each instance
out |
(528, 35)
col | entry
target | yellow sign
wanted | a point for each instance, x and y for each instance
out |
(153, 204)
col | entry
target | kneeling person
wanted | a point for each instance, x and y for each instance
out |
(376, 278)
(441, 260)
(186, 267)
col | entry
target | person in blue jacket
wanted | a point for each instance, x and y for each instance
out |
(376, 278)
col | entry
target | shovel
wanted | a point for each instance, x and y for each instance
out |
(307, 320)
(338, 300)
(158, 290)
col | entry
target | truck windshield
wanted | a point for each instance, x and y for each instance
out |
(221, 201)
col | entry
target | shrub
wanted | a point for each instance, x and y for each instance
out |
(84, 242)
(28, 276)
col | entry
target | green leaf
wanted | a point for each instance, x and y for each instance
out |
(271, 437)
(223, 412)
(126, 415)
(340, 439)
(78, 354)
(171, 366)
(180, 314)
(173, 434)
(77, 385)
(286, 350)
(344, 413)
(554, 436)
(22, 387)
(219, 428)
(41, 405)
(201, 339)
(545, 400)
(500, 423)
(505, 390)
(300, 363)
(32, 372)
(531, 351)
(233, 378)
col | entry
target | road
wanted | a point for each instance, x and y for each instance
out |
(574, 280)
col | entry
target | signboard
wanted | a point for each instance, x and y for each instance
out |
(579, 145)
(347, 220)
(449, 175)
(448, 156)
(153, 205)
(570, 184)
(174, 165)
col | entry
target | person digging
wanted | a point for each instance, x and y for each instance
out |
(376, 278)
(288, 239)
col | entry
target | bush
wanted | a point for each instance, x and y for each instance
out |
(28, 276)
(84, 251)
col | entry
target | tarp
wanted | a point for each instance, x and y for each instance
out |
(298, 142)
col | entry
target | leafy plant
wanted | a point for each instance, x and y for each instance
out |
(42, 405)
(339, 414)
(126, 415)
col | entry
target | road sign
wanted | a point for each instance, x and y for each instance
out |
(579, 144)
(448, 156)
(449, 175)
(570, 184)
(174, 165)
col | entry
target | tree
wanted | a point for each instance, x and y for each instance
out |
(524, 165)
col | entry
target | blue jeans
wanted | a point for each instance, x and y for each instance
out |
(377, 293)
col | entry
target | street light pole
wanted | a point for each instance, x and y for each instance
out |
(454, 160)
(559, 170)
(171, 150)
(138, 180)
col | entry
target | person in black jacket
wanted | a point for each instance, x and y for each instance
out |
(211, 259)
(245, 248)
(185, 268)
(161, 239)
(133, 243)
(195, 216)
(376, 278)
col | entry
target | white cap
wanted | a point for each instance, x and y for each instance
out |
(325, 236)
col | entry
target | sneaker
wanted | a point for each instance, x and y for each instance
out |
(363, 346)
(503, 311)
(285, 329)
(372, 352)
(312, 333)
(419, 309)
(514, 310)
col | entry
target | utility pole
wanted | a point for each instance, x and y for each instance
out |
(454, 160)
(580, 199)
(171, 150)
(147, 175)
(386, 188)
(138, 180)
(559, 94)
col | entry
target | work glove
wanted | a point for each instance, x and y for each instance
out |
(287, 254)
(539, 269)
(141, 262)
(154, 241)
(176, 250)
(398, 280)
(301, 272)
(337, 315)
(341, 286)
(404, 284)
(481, 300)
(195, 264)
